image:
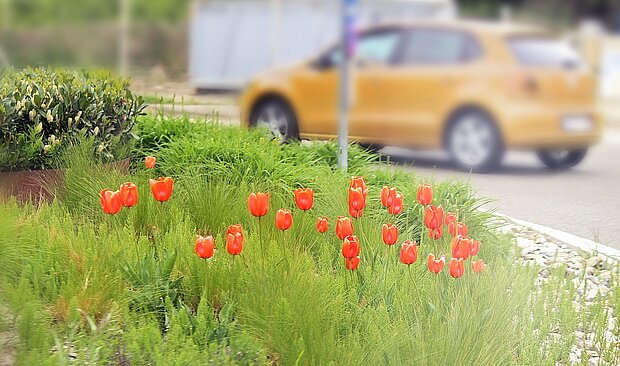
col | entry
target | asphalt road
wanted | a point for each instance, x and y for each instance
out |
(584, 201)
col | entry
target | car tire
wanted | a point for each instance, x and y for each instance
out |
(371, 148)
(277, 116)
(561, 159)
(474, 141)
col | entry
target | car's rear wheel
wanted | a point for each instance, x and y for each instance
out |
(276, 116)
(561, 159)
(474, 142)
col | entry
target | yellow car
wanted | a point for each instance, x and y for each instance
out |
(474, 89)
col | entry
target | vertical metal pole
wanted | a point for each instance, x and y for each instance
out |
(123, 44)
(347, 48)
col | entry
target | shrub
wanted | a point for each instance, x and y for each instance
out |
(43, 110)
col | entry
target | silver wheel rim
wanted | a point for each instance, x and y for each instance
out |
(275, 120)
(472, 140)
(559, 155)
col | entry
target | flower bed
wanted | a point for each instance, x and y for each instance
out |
(171, 278)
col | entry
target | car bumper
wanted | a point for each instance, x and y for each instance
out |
(543, 127)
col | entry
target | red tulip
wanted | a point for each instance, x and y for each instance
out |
(258, 203)
(234, 240)
(474, 247)
(357, 202)
(436, 265)
(390, 234)
(458, 228)
(397, 205)
(435, 233)
(205, 246)
(425, 194)
(456, 267)
(409, 252)
(450, 217)
(110, 201)
(350, 247)
(478, 265)
(284, 219)
(304, 198)
(322, 224)
(352, 263)
(150, 161)
(461, 246)
(129, 194)
(359, 182)
(387, 196)
(161, 188)
(344, 227)
(433, 216)
(235, 229)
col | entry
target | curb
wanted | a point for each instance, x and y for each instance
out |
(573, 241)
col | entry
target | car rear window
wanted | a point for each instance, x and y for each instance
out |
(544, 51)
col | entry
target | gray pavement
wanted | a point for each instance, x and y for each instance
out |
(584, 201)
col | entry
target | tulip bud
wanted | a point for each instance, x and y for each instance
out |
(425, 194)
(258, 203)
(304, 198)
(350, 247)
(408, 252)
(322, 224)
(31, 114)
(150, 162)
(435, 265)
(284, 219)
(456, 267)
(390, 234)
(397, 205)
(344, 227)
(205, 246)
(478, 265)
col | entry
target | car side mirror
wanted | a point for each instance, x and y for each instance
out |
(322, 63)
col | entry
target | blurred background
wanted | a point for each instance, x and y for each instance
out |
(183, 40)
(196, 53)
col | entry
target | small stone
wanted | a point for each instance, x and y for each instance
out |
(596, 262)
(591, 294)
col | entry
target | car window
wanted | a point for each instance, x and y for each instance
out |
(436, 46)
(376, 46)
(543, 51)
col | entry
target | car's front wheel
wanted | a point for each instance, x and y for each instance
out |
(561, 159)
(474, 142)
(277, 117)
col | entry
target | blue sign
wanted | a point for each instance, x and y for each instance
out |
(351, 32)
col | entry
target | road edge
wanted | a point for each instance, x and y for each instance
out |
(575, 242)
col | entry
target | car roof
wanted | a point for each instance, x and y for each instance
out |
(500, 28)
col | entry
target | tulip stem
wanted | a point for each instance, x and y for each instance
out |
(410, 275)
(387, 257)
(262, 245)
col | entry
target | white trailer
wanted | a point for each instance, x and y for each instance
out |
(231, 40)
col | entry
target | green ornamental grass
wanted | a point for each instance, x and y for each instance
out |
(129, 288)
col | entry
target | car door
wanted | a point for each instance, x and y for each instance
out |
(431, 68)
(318, 86)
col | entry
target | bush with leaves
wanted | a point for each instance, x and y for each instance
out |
(43, 110)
